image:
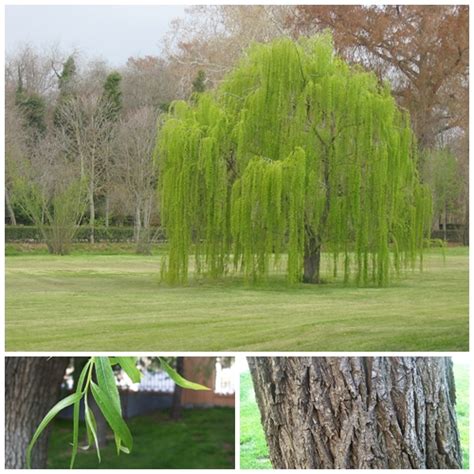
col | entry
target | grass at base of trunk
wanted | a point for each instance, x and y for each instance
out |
(253, 447)
(461, 376)
(117, 303)
(202, 439)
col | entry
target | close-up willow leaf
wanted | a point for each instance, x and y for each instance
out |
(113, 416)
(178, 379)
(68, 401)
(128, 364)
(105, 393)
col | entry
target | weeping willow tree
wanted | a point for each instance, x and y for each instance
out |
(294, 153)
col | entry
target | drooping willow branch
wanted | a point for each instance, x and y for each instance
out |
(106, 395)
(294, 152)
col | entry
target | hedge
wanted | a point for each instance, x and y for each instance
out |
(29, 233)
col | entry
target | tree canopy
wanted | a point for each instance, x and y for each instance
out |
(295, 150)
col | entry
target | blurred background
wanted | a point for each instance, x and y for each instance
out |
(171, 427)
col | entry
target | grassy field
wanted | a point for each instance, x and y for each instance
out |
(253, 447)
(461, 375)
(117, 303)
(202, 439)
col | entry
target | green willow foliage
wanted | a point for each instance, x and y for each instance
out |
(106, 395)
(294, 147)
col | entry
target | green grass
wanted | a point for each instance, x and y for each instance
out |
(253, 447)
(116, 302)
(461, 374)
(202, 439)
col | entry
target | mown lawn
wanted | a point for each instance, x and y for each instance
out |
(253, 447)
(117, 303)
(461, 375)
(203, 439)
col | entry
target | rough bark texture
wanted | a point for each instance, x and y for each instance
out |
(356, 412)
(465, 236)
(312, 260)
(177, 406)
(31, 388)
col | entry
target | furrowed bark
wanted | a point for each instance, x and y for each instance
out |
(312, 261)
(357, 412)
(177, 407)
(31, 389)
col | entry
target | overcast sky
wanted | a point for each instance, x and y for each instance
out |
(112, 32)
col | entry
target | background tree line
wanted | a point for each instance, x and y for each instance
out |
(80, 135)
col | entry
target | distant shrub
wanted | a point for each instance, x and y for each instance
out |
(22, 233)
(431, 243)
(30, 233)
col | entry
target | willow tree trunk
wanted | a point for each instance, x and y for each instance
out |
(465, 235)
(312, 260)
(176, 406)
(31, 388)
(357, 412)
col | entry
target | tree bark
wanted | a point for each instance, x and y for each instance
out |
(10, 210)
(91, 211)
(137, 224)
(107, 208)
(445, 224)
(358, 412)
(465, 235)
(312, 260)
(31, 388)
(177, 407)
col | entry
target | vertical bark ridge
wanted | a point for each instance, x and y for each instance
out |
(355, 412)
(31, 389)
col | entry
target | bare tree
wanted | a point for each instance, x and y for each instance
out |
(147, 82)
(36, 69)
(15, 150)
(212, 38)
(85, 120)
(135, 169)
(46, 186)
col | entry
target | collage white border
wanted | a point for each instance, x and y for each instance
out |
(226, 353)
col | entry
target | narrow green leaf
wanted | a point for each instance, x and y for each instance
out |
(65, 402)
(178, 379)
(129, 365)
(77, 405)
(106, 380)
(113, 417)
(118, 443)
(91, 426)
